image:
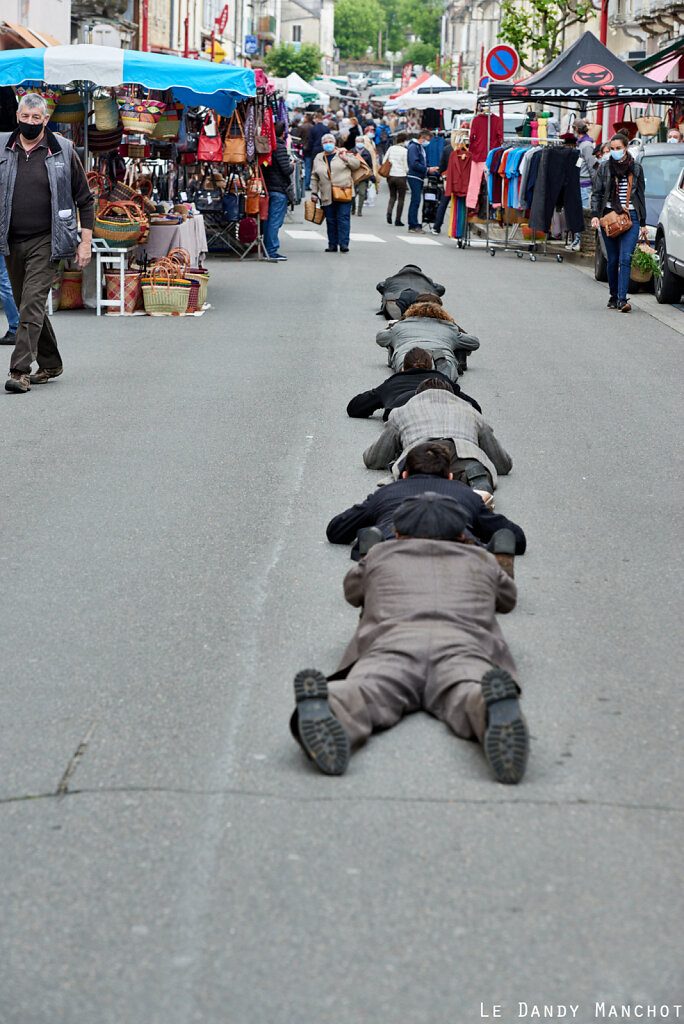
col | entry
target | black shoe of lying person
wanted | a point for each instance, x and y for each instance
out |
(502, 546)
(506, 741)
(314, 726)
(367, 538)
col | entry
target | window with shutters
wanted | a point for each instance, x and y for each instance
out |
(296, 33)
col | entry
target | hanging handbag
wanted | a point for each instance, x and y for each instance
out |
(234, 146)
(208, 200)
(362, 173)
(385, 168)
(313, 211)
(262, 145)
(628, 126)
(648, 124)
(209, 147)
(615, 224)
(250, 133)
(248, 230)
(263, 197)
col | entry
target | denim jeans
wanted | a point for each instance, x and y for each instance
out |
(337, 221)
(7, 298)
(416, 187)
(619, 257)
(277, 208)
(308, 160)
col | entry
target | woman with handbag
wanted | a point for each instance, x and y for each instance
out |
(331, 181)
(618, 208)
(397, 158)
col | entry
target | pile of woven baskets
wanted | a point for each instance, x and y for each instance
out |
(172, 287)
(122, 214)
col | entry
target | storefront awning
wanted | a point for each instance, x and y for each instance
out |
(23, 37)
(673, 49)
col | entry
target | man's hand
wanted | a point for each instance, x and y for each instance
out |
(595, 223)
(83, 255)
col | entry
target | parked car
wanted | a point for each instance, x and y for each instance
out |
(669, 243)
(662, 163)
(357, 79)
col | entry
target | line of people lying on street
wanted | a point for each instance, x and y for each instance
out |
(433, 561)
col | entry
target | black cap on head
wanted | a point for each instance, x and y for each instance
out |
(430, 515)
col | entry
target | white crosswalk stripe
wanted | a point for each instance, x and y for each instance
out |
(356, 237)
(304, 234)
(418, 241)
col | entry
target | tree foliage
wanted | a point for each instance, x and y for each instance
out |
(421, 53)
(357, 23)
(536, 28)
(422, 18)
(282, 60)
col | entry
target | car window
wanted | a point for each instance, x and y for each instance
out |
(661, 173)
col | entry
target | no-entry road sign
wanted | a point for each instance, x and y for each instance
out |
(502, 62)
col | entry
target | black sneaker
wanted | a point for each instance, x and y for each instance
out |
(9, 338)
(506, 741)
(389, 218)
(624, 306)
(331, 248)
(612, 302)
(344, 248)
(314, 726)
(399, 224)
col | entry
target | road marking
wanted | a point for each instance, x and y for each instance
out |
(419, 241)
(366, 238)
(305, 234)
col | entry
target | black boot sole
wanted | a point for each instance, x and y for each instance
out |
(506, 742)
(320, 734)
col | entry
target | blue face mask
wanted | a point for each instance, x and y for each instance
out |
(617, 154)
(329, 147)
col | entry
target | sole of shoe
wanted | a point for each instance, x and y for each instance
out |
(321, 735)
(626, 308)
(506, 742)
(38, 380)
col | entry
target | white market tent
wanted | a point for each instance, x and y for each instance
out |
(296, 84)
(433, 92)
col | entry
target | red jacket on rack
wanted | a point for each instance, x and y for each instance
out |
(458, 173)
(480, 141)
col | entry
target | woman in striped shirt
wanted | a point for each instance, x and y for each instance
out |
(619, 186)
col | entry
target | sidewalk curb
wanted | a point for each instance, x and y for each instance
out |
(666, 314)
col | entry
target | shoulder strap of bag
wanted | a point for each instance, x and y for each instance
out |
(629, 191)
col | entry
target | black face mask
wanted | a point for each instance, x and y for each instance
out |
(30, 131)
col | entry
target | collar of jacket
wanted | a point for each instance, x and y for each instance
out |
(52, 143)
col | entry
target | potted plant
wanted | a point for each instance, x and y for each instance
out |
(644, 264)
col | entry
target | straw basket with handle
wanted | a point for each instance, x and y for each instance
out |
(594, 130)
(198, 277)
(122, 223)
(313, 212)
(106, 111)
(168, 125)
(133, 299)
(70, 108)
(648, 124)
(140, 116)
(99, 186)
(165, 290)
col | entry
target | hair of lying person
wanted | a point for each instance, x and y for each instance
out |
(429, 459)
(434, 384)
(417, 359)
(429, 297)
(427, 309)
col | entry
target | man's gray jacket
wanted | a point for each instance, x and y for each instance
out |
(58, 165)
(436, 415)
(438, 337)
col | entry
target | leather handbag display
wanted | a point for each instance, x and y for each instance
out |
(209, 147)
(209, 199)
(234, 145)
(628, 126)
(615, 224)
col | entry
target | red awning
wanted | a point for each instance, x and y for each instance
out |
(414, 85)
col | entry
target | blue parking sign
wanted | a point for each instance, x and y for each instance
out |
(251, 44)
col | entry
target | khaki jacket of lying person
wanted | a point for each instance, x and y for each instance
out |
(342, 164)
(438, 414)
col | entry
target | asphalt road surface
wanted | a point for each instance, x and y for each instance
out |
(167, 855)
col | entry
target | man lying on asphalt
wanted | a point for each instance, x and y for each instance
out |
(436, 414)
(430, 327)
(400, 387)
(427, 469)
(410, 276)
(427, 639)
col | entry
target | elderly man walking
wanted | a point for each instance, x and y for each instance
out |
(42, 185)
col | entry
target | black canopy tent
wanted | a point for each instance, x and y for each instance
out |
(586, 71)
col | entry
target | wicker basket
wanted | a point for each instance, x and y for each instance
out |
(133, 299)
(140, 116)
(69, 109)
(71, 297)
(166, 297)
(168, 125)
(198, 293)
(106, 113)
(123, 230)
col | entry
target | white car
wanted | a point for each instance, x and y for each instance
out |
(669, 244)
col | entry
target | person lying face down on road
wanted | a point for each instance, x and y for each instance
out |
(428, 326)
(436, 414)
(427, 639)
(427, 469)
(401, 386)
(410, 276)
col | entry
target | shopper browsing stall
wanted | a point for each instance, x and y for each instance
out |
(619, 190)
(277, 177)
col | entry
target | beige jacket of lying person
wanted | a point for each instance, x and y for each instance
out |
(342, 164)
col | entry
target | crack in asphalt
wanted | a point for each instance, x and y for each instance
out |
(62, 788)
(469, 801)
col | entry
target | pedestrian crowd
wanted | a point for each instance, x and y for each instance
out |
(433, 561)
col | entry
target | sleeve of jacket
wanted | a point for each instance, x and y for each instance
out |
(597, 192)
(467, 398)
(343, 528)
(503, 463)
(315, 183)
(365, 404)
(383, 451)
(416, 160)
(639, 195)
(80, 190)
(355, 584)
(459, 339)
(384, 337)
(283, 161)
(506, 591)
(486, 523)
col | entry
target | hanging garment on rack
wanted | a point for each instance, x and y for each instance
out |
(458, 173)
(486, 132)
(458, 217)
(493, 180)
(512, 181)
(432, 120)
(557, 186)
(433, 152)
(477, 170)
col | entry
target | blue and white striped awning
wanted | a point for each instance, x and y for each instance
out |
(194, 82)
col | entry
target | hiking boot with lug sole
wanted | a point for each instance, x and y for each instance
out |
(18, 383)
(506, 741)
(43, 376)
(315, 727)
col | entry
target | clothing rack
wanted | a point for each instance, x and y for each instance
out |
(511, 242)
